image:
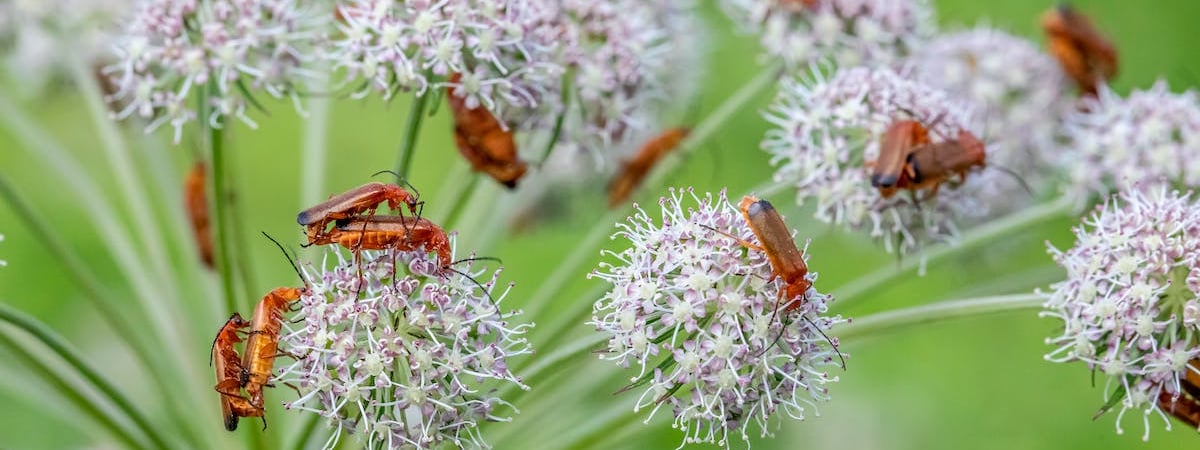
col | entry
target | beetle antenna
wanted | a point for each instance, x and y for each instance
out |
(290, 258)
(477, 283)
(827, 339)
(478, 258)
(399, 180)
(1015, 176)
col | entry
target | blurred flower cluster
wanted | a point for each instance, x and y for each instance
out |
(36, 35)
(851, 32)
(695, 313)
(402, 359)
(1114, 143)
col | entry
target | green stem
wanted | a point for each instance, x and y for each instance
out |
(565, 100)
(315, 148)
(216, 145)
(68, 389)
(237, 231)
(571, 350)
(412, 128)
(60, 347)
(856, 289)
(936, 312)
(586, 250)
(530, 368)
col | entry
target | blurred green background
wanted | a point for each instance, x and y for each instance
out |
(977, 383)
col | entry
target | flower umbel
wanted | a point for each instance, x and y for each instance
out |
(409, 359)
(1129, 304)
(37, 36)
(1115, 143)
(507, 52)
(828, 133)
(695, 312)
(852, 32)
(226, 49)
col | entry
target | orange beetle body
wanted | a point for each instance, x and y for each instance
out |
(262, 346)
(353, 203)
(196, 200)
(228, 369)
(634, 170)
(1085, 55)
(392, 232)
(895, 148)
(483, 141)
(787, 261)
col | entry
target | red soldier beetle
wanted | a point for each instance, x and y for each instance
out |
(1085, 55)
(258, 361)
(195, 199)
(402, 234)
(355, 202)
(931, 164)
(228, 367)
(634, 169)
(786, 259)
(391, 232)
(895, 148)
(483, 141)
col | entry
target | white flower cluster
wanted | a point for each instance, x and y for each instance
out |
(1115, 143)
(851, 32)
(506, 51)
(1129, 304)
(407, 360)
(227, 49)
(693, 311)
(38, 35)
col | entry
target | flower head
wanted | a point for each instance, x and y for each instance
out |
(828, 135)
(631, 59)
(409, 359)
(40, 36)
(1021, 95)
(1115, 143)
(506, 51)
(852, 32)
(228, 49)
(1129, 303)
(2, 262)
(692, 309)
